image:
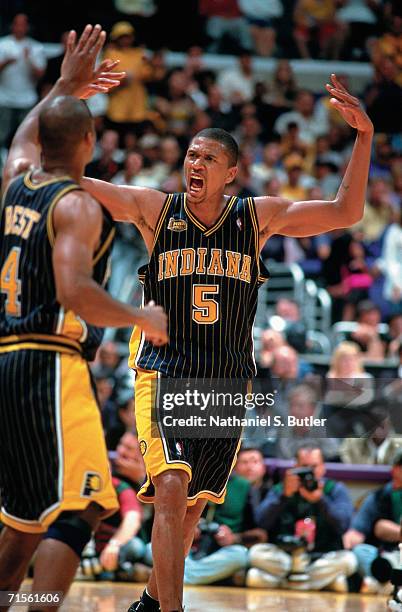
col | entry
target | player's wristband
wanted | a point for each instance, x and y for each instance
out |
(114, 543)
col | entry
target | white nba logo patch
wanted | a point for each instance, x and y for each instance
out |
(239, 223)
(179, 448)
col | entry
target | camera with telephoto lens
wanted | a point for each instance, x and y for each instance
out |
(207, 543)
(382, 567)
(306, 475)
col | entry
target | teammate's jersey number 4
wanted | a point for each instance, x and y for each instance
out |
(205, 308)
(10, 283)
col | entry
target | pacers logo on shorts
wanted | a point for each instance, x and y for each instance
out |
(143, 447)
(92, 484)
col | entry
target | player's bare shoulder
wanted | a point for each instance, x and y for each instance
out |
(268, 208)
(79, 211)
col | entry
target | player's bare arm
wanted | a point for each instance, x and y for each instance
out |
(78, 78)
(281, 216)
(136, 205)
(75, 245)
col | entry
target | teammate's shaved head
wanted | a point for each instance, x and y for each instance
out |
(63, 123)
(225, 139)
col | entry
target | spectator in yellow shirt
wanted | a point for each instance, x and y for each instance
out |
(128, 105)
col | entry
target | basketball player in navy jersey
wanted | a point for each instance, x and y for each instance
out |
(204, 270)
(55, 244)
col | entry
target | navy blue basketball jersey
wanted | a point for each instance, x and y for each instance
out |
(29, 312)
(207, 280)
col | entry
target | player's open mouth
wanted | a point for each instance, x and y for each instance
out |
(196, 183)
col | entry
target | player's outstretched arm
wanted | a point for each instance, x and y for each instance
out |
(137, 205)
(77, 221)
(78, 78)
(280, 216)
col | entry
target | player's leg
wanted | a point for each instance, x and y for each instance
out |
(191, 519)
(168, 537)
(60, 551)
(16, 550)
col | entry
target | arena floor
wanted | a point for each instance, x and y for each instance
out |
(112, 597)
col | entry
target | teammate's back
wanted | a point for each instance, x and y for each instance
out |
(29, 310)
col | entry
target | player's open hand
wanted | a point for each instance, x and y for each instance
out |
(154, 324)
(348, 106)
(104, 79)
(78, 67)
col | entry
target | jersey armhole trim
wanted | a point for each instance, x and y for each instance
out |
(254, 221)
(161, 218)
(49, 222)
(103, 247)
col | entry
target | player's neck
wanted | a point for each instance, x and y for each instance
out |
(55, 169)
(208, 211)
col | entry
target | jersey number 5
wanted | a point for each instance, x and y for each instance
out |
(10, 284)
(205, 309)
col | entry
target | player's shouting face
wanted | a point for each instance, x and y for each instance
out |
(207, 170)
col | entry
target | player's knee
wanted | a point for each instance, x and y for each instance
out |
(71, 529)
(171, 488)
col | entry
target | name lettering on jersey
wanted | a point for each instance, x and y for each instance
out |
(20, 221)
(188, 261)
(177, 225)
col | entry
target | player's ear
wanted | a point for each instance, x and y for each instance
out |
(231, 174)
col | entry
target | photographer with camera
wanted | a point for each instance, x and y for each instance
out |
(305, 517)
(223, 537)
(375, 532)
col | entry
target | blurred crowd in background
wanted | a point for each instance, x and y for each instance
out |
(293, 144)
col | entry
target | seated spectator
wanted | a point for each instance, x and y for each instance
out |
(119, 418)
(107, 158)
(293, 188)
(268, 168)
(132, 167)
(117, 544)
(222, 541)
(283, 89)
(391, 264)
(376, 526)
(385, 92)
(237, 83)
(346, 362)
(378, 212)
(367, 335)
(128, 462)
(316, 24)
(395, 334)
(295, 330)
(224, 21)
(250, 465)
(311, 119)
(356, 277)
(261, 17)
(108, 359)
(350, 390)
(304, 409)
(389, 46)
(270, 340)
(379, 447)
(305, 523)
(287, 367)
(176, 107)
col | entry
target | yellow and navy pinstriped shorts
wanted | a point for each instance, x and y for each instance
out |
(208, 462)
(52, 450)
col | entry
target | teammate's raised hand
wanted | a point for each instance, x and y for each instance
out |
(104, 79)
(154, 324)
(78, 67)
(348, 106)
